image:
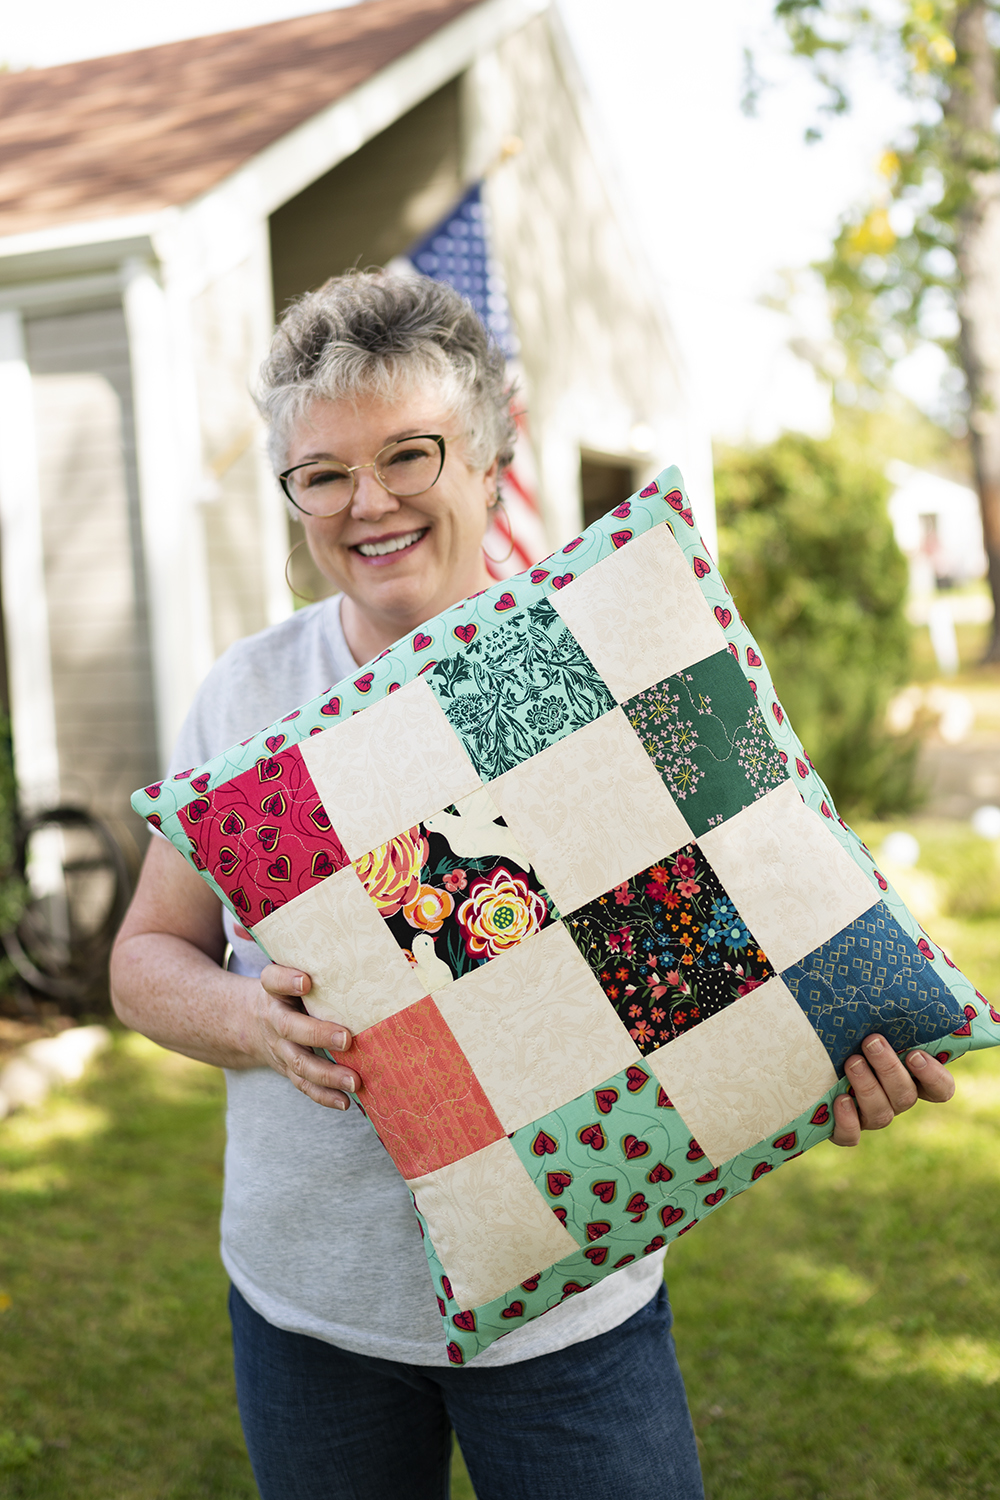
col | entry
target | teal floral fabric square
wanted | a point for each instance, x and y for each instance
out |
(705, 735)
(515, 690)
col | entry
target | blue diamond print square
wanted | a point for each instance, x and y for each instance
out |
(872, 977)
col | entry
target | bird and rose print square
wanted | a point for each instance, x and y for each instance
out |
(559, 862)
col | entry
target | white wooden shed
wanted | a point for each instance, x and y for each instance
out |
(156, 208)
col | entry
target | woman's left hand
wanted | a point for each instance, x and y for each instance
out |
(885, 1086)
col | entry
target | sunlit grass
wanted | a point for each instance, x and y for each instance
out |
(839, 1326)
(115, 1379)
(840, 1334)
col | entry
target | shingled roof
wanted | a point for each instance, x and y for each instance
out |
(143, 130)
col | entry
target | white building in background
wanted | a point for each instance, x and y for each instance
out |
(938, 526)
(156, 208)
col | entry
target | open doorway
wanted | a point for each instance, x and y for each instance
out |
(604, 483)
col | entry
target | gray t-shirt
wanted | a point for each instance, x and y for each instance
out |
(318, 1231)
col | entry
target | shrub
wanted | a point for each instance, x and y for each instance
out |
(808, 550)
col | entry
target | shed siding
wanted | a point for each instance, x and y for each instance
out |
(105, 728)
(374, 204)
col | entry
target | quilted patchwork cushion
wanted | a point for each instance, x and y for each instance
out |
(559, 862)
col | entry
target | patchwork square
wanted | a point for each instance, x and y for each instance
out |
(265, 836)
(744, 1073)
(418, 1090)
(492, 1227)
(381, 771)
(335, 935)
(591, 810)
(456, 891)
(640, 615)
(517, 688)
(704, 733)
(669, 948)
(790, 878)
(559, 862)
(536, 1027)
(872, 977)
(610, 1158)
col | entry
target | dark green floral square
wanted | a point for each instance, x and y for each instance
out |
(706, 736)
(510, 692)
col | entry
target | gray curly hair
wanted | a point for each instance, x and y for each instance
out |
(372, 333)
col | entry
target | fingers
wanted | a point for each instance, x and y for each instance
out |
(278, 980)
(308, 1031)
(885, 1086)
(882, 1086)
(846, 1124)
(324, 1082)
(934, 1082)
(289, 1037)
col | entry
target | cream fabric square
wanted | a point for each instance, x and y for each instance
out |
(383, 770)
(335, 934)
(490, 1225)
(590, 811)
(639, 614)
(789, 879)
(745, 1072)
(536, 1027)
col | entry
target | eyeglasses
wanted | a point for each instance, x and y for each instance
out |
(326, 487)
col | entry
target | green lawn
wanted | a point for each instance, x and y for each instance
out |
(839, 1326)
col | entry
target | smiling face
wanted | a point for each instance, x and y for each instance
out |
(398, 559)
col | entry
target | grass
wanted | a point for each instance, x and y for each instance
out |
(114, 1366)
(972, 641)
(839, 1326)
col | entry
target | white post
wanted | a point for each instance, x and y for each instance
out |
(271, 503)
(173, 545)
(25, 602)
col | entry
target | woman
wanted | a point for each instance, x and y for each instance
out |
(389, 428)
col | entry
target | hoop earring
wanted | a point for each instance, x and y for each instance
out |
(306, 598)
(499, 505)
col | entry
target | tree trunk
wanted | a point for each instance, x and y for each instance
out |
(970, 109)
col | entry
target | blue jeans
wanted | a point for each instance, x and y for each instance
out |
(606, 1418)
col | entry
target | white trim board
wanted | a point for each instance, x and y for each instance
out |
(25, 599)
(75, 291)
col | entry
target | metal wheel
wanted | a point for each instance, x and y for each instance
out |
(78, 886)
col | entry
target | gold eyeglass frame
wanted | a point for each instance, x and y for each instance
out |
(352, 469)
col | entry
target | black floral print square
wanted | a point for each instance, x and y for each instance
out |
(706, 736)
(510, 692)
(456, 890)
(669, 948)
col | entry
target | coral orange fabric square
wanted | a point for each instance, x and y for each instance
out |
(419, 1091)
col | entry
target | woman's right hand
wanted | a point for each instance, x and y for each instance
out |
(286, 1035)
(167, 982)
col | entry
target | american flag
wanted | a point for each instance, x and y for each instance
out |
(457, 250)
